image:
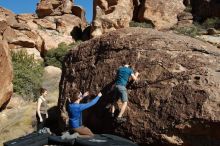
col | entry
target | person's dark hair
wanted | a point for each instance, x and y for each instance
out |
(128, 63)
(123, 62)
(74, 95)
(42, 90)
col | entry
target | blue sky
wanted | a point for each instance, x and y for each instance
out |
(29, 6)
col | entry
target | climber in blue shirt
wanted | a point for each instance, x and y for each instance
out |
(123, 74)
(75, 109)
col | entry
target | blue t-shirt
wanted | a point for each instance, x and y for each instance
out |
(75, 112)
(123, 75)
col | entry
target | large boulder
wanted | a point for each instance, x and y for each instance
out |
(79, 12)
(206, 8)
(52, 38)
(54, 7)
(7, 16)
(45, 24)
(51, 79)
(66, 23)
(176, 99)
(6, 89)
(161, 13)
(110, 15)
(23, 38)
(28, 20)
(44, 8)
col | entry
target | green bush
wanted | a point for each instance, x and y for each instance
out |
(188, 8)
(191, 31)
(141, 24)
(27, 75)
(211, 23)
(54, 57)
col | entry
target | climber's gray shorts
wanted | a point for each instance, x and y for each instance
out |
(121, 92)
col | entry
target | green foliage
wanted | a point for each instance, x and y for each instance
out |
(27, 74)
(54, 57)
(189, 31)
(211, 23)
(141, 24)
(188, 9)
(197, 28)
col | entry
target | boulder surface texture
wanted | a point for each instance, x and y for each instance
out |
(6, 89)
(177, 95)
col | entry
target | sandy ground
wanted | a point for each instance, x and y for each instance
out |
(17, 122)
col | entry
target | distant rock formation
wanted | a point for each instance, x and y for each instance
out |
(185, 19)
(54, 7)
(6, 76)
(176, 99)
(37, 35)
(161, 13)
(110, 15)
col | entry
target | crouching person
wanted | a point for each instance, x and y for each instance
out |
(75, 109)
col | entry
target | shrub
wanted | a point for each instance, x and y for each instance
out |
(211, 23)
(54, 57)
(141, 24)
(191, 31)
(27, 75)
(188, 9)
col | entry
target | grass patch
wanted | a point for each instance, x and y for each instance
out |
(211, 23)
(197, 28)
(191, 31)
(18, 122)
(141, 24)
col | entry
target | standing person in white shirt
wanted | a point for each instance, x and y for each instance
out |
(42, 107)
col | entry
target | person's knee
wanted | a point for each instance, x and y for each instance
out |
(125, 103)
(91, 134)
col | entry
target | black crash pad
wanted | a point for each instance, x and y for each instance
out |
(32, 139)
(97, 140)
(104, 140)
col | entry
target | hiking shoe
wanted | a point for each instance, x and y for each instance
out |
(44, 130)
(108, 106)
(121, 120)
(68, 136)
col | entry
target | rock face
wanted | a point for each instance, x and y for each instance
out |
(51, 79)
(6, 89)
(111, 15)
(54, 7)
(41, 34)
(79, 12)
(176, 98)
(213, 39)
(161, 13)
(206, 8)
(185, 19)
(35, 35)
